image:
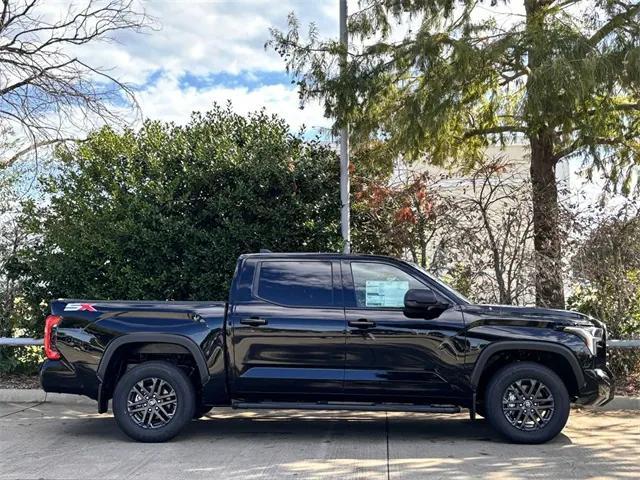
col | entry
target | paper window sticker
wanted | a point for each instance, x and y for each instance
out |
(385, 293)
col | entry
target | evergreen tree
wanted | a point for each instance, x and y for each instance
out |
(443, 79)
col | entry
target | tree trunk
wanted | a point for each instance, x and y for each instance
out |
(546, 234)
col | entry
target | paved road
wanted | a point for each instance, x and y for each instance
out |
(56, 441)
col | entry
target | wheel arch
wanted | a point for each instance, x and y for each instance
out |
(522, 347)
(153, 338)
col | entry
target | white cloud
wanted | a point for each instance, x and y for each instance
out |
(204, 37)
(166, 100)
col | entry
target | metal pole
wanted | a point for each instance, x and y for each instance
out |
(345, 215)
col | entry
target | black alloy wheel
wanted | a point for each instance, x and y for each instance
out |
(154, 401)
(527, 402)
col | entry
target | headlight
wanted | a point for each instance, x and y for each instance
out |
(590, 335)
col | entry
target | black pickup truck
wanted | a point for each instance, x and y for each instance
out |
(327, 332)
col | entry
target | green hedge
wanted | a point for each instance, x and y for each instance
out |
(164, 212)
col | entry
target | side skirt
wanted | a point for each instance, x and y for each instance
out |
(367, 407)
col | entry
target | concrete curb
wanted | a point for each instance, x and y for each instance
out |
(16, 395)
(35, 395)
(622, 403)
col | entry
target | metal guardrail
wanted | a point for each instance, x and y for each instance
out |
(19, 342)
(623, 343)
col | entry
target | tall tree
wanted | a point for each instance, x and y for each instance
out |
(44, 85)
(445, 78)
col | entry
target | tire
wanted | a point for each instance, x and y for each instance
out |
(538, 418)
(172, 410)
(201, 411)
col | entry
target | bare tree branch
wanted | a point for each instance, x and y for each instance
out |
(614, 23)
(496, 226)
(44, 86)
(34, 146)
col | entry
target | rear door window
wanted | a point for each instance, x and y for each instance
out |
(296, 283)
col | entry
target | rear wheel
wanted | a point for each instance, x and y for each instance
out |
(153, 401)
(527, 403)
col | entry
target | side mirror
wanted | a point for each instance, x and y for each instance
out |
(419, 298)
(420, 302)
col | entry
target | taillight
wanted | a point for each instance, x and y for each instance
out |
(50, 349)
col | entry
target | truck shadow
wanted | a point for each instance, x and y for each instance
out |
(377, 445)
(313, 425)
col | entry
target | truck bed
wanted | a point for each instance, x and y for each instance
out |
(61, 305)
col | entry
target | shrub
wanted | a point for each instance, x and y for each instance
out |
(163, 213)
(608, 267)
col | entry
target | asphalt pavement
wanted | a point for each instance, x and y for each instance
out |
(70, 441)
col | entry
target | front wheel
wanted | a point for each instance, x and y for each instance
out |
(527, 403)
(153, 401)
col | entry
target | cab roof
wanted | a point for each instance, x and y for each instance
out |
(322, 255)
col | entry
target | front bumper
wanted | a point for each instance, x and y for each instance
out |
(599, 387)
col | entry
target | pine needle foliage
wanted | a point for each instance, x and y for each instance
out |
(443, 79)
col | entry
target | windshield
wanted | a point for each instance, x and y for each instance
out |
(442, 285)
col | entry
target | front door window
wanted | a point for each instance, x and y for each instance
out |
(377, 285)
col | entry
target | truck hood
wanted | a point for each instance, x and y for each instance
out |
(546, 315)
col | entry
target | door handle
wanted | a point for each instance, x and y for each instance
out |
(362, 323)
(254, 321)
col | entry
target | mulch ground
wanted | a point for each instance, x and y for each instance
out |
(19, 381)
(631, 387)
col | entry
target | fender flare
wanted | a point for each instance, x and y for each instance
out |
(128, 338)
(539, 346)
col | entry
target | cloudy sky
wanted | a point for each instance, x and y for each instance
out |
(213, 50)
(203, 51)
(198, 52)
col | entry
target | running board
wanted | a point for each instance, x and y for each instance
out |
(367, 407)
